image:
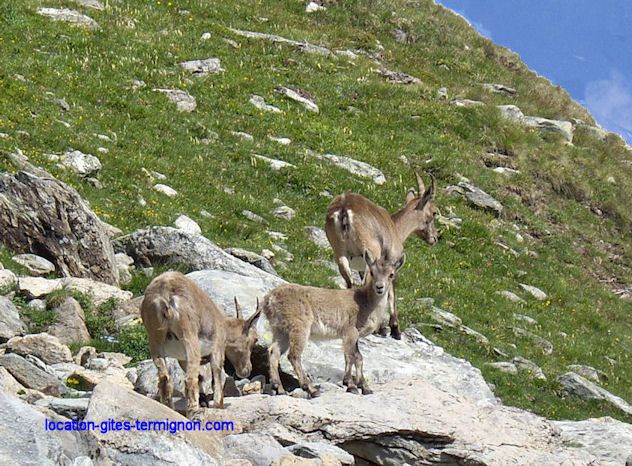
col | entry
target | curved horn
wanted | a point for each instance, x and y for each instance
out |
(420, 183)
(433, 185)
(238, 312)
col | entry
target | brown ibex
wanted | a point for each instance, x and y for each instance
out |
(355, 224)
(182, 322)
(297, 312)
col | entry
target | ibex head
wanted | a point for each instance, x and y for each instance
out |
(382, 272)
(425, 210)
(241, 337)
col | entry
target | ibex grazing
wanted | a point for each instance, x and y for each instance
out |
(355, 224)
(184, 323)
(297, 313)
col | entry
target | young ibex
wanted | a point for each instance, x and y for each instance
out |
(355, 224)
(297, 312)
(184, 323)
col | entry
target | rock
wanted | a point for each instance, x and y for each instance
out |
(299, 96)
(507, 367)
(8, 280)
(445, 317)
(302, 46)
(68, 16)
(284, 212)
(282, 141)
(188, 225)
(596, 132)
(588, 372)
(260, 103)
(165, 245)
(73, 408)
(442, 93)
(125, 265)
(147, 378)
(275, 164)
(245, 136)
(577, 385)
(321, 450)
(82, 164)
(166, 190)
(56, 222)
(361, 169)
(127, 312)
(537, 293)
(317, 236)
(511, 112)
(36, 287)
(500, 89)
(607, 439)
(184, 101)
(406, 421)
(26, 441)
(313, 6)
(31, 376)
(84, 355)
(252, 258)
(8, 384)
(254, 217)
(398, 77)
(46, 347)
(400, 36)
(259, 449)
(110, 401)
(203, 67)
(526, 365)
(10, 323)
(565, 128)
(505, 171)
(467, 103)
(86, 379)
(70, 323)
(543, 343)
(479, 337)
(524, 318)
(98, 292)
(36, 265)
(94, 4)
(477, 196)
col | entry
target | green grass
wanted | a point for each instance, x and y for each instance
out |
(551, 201)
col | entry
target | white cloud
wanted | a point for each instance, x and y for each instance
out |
(610, 102)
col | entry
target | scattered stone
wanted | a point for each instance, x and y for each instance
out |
(10, 323)
(98, 292)
(166, 190)
(476, 196)
(282, 141)
(500, 89)
(479, 337)
(95, 4)
(37, 304)
(275, 164)
(524, 318)
(46, 347)
(84, 355)
(68, 16)
(53, 220)
(356, 167)
(313, 6)
(63, 105)
(506, 171)
(398, 77)
(260, 103)
(596, 132)
(317, 236)
(36, 287)
(576, 385)
(147, 378)
(299, 96)
(245, 136)
(445, 317)
(467, 103)
(322, 450)
(70, 323)
(529, 366)
(254, 217)
(31, 376)
(203, 67)
(8, 384)
(537, 293)
(287, 254)
(259, 449)
(543, 343)
(303, 46)
(507, 367)
(442, 93)
(284, 212)
(588, 372)
(184, 101)
(73, 408)
(252, 258)
(8, 280)
(187, 225)
(36, 265)
(277, 236)
(138, 84)
(513, 113)
(82, 164)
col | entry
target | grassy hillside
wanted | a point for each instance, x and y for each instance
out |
(576, 226)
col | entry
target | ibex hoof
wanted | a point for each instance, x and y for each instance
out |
(277, 389)
(383, 332)
(396, 333)
(353, 389)
(366, 391)
(194, 414)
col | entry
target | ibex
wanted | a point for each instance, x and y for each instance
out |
(355, 224)
(182, 322)
(297, 313)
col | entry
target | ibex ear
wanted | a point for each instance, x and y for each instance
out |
(400, 262)
(368, 258)
(253, 319)
(412, 194)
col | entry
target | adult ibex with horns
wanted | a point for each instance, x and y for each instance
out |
(354, 224)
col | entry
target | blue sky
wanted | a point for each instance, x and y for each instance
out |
(585, 46)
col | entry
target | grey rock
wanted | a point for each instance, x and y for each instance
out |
(94, 4)
(317, 236)
(588, 372)
(203, 67)
(166, 190)
(36, 265)
(252, 258)
(500, 89)
(321, 450)
(8, 280)
(596, 132)
(110, 401)
(356, 167)
(10, 323)
(82, 164)
(8, 384)
(31, 376)
(313, 7)
(184, 101)
(445, 317)
(37, 304)
(70, 323)
(99, 292)
(529, 366)
(147, 378)
(260, 103)
(127, 312)
(245, 136)
(442, 93)
(46, 347)
(282, 141)
(275, 164)
(479, 198)
(400, 36)
(479, 337)
(254, 217)
(505, 171)
(302, 46)
(543, 343)
(576, 385)
(54, 220)
(188, 225)
(36, 287)
(508, 367)
(284, 212)
(513, 297)
(398, 77)
(524, 318)
(537, 293)
(565, 128)
(169, 245)
(73, 408)
(259, 449)
(511, 112)
(66, 15)
(467, 103)
(299, 96)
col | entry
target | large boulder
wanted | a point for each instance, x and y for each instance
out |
(10, 323)
(46, 347)
(70, 323)
(45, 216)
(31, 376)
